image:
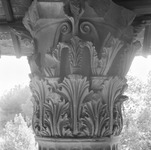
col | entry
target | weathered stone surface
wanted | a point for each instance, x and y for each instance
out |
(83, 51)
(78, 144)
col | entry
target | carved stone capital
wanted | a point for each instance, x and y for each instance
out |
(75, 27)
(83, 50)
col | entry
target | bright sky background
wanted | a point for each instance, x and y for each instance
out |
(140, 67)
(15, 71)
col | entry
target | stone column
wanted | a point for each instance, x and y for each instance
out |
(83, 50)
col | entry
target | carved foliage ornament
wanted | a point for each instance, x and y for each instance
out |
(84, 19)
(71, 109)
(77, 106)
(82, 58)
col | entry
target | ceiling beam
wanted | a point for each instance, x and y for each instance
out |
(8, 10)
(49, 0)
(16, 44)
(140, 7)
(147, 40)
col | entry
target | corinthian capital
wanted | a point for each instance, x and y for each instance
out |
(83, 50)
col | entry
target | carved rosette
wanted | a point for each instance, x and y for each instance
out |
(83, 50)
